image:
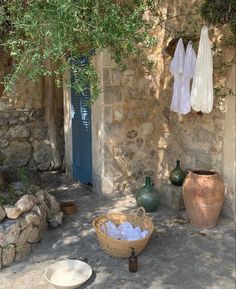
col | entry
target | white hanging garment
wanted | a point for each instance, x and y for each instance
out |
(189, 69)
(202, 89)
(177, 69)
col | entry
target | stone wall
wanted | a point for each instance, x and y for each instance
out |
(23, 224)
(23, 131)
(143, 136)
(139, 133)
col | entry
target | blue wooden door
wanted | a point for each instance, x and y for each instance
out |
(81, 133)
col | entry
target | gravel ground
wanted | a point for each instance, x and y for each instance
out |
(178, 256)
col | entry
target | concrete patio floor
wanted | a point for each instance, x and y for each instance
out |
(178, 256)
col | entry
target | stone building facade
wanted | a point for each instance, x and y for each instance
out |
(134, 133)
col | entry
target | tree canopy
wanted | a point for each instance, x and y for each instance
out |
(38, 32)
(59, 31)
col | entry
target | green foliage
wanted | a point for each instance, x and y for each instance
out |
(23, 176)
(220, 12)
(12, 196)
(37, 31)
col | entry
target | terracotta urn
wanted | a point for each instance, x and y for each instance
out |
(203, 194)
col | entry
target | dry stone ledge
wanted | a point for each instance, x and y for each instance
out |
(23, 224)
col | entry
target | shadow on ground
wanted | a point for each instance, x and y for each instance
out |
(178, 256)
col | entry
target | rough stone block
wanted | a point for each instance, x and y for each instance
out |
(22, 251)
(146, 129)
(35, 235)
(12, 212)
(8, 255)
(32, 218)
(112, 95)
(24, 235)
(118, 114)
(17, 154)
(9, 232)
(19, 131)
(171, 196)
(56, 220)
(26, 203)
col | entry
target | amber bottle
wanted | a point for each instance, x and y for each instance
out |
(133, 262)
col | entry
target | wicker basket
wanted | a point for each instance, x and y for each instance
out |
(121, 248)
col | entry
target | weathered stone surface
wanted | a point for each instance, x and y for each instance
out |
(112, 95)
(22, 251)
(17, 154)
(32, 218)
(8, 255)
(53, 206)
(39, 133)
(43, 156)
(3, 143)
(113, 132)
(42, 211)
(9, 232)
(35, 235)
(2, 213)
(18, 131)
(12, 212)
(26, 203)
(56, 220)
(146, 129)
(171, 196)
(24, 236)
(118, 114)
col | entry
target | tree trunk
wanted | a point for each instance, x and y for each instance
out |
(50, 110)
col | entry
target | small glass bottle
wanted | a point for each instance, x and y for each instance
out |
(133, 262)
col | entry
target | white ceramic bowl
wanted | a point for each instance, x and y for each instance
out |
(68, 274)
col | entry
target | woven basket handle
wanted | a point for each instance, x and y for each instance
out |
(143, 216)
(105, 227)
(141, 209)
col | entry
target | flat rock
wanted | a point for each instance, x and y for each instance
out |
(12, 212)
(26, 203)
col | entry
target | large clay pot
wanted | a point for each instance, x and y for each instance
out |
(203, 194)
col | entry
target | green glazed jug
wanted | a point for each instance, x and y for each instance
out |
(177, 175)
(148, 197)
